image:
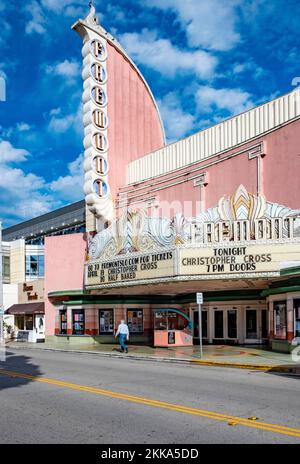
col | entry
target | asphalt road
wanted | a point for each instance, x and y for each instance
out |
(100, 401)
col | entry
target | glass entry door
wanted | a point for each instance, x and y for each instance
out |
(40, 327)
(232, 323)
(251, 324)
(219, 324)
(196, 324)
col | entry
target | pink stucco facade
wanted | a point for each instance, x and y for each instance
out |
(226, 171)
(64, 262)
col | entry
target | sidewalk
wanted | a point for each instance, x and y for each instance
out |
(213, 355)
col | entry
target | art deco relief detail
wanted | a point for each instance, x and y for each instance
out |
(239, 217)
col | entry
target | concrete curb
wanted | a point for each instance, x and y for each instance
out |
(260, 367)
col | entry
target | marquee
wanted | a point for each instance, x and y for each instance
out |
(243, 236)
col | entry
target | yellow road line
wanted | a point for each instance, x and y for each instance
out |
(275, 428)
(256, 367)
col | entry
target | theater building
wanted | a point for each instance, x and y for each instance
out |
(217, 212)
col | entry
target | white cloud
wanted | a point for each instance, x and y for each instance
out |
(68, 69)
(251, 68)
(67, 7)
(70, 187)
(208, 23)
(60, 123)
(176, 121)
(25, 195)
(57, 5)
(5, 32)
(10, 154)
(37, 21)
(161, 55)
(22, 193)
(233, 100)
(18, 127)
(23, 127)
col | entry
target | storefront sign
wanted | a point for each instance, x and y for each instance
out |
(235, 259)
(147, 266)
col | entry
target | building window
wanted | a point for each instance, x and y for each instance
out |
(280, 320)
(34, 266)
(78, 322)
(135, 320)
(6, 268)
(20, 322)
(106, 321)
(63, 321)
(29, 322)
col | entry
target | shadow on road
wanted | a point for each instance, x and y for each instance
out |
(17, 364)
(288, 370)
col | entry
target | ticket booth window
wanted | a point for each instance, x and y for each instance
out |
(169, 320)
(280, 320)
(106, 321)
(160, 320)
(135, 320)
(78, 322)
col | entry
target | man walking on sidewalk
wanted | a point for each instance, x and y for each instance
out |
(123, 334)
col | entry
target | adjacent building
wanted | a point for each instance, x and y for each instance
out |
(23, 270)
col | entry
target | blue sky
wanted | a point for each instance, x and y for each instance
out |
(205, 60)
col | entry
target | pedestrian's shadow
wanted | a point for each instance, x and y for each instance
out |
(17, 370)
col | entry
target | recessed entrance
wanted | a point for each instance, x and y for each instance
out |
(232, 323)
(196, 325)
(219, 324)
